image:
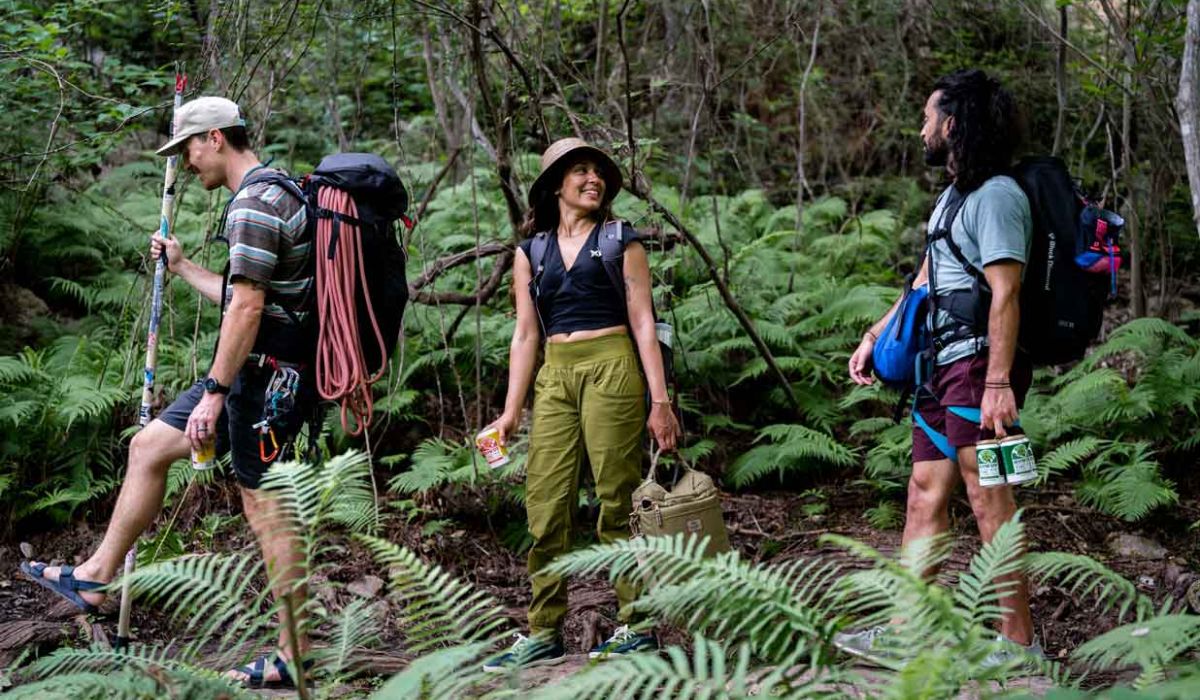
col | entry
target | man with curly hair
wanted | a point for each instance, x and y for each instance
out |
(970, 129)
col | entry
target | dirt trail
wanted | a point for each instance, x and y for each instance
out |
(764, 527)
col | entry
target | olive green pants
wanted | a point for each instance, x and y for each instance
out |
(589, 398)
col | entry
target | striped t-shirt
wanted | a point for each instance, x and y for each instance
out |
(265, 232)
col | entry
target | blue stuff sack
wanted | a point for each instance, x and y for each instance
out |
(902, 340)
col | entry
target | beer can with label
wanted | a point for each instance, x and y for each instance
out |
(205, 457)
(1019, 465)
(990, 463)
(490, 447)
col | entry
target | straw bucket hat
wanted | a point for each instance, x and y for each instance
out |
(555, 158)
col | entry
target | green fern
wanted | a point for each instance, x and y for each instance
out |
(705, 674)
(444, 674)
(438, 610)
(1068, 455)
(1126, 481)
(1152, 644)
(1088, 578)
(356, 630)
(790, 447)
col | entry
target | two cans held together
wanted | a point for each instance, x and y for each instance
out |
(1007, 461)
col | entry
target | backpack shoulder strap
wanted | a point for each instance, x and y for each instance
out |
(537, 258)
(537, 254)
(944, 231)
(612, 255)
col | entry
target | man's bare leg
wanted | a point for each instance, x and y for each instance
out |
(151, 452)
(284, 556)
(929, 490)
(993, 506)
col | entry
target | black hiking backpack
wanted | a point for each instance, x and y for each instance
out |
(366, 184)
(381, 201)
(1073, 262)
(1070, 274)
(612, 254)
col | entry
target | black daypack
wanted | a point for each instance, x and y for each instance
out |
(1069, 276)
(612, 255)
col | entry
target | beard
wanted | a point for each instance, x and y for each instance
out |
(937, 154)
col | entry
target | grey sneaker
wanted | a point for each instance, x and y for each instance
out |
(866, 644)
(1012, 654)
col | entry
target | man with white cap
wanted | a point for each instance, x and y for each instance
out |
(262, 295)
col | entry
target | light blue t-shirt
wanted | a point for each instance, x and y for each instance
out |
(993, 224)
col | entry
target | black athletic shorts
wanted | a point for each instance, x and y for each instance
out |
(236, 433)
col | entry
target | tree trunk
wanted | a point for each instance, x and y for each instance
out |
(1122, 30)
(1060, 81)
(600, 77)
(1187, 103)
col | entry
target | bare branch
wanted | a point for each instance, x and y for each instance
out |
(437, 267)
(480, 296)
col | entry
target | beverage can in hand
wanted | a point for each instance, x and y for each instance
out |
(205, 457)
(990, 463)
(1019, 464)
(488, 443)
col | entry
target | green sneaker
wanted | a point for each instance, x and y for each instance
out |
(624, 641)
(527, 652)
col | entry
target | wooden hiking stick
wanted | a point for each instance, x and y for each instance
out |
(165, 220)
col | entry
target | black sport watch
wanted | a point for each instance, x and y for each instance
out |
(212, 386)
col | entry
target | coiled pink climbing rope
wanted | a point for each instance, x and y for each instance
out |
(341, 368)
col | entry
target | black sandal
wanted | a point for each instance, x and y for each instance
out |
(256, 672)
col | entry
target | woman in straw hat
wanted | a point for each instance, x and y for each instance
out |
(589, 395)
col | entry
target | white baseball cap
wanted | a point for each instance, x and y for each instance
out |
(200, 116)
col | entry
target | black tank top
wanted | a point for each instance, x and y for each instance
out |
(582, 298)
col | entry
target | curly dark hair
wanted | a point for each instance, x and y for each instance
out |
(986, 130)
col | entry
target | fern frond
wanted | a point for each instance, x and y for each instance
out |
(337, 491)
(777, 610)
(17, 369)
(1150, 644)
(1125, 480)
(791, 446)
(1067, 455)
(140, 671)
(19, 412)
(438, 609)
(703, 675)
(444, 674)
(355, 628)
(663, 560)
(435, 462)
(80, 399)
(1086, 577)
(213, 595)
(978, 592)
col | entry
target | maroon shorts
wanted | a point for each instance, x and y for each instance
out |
(961, 383)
